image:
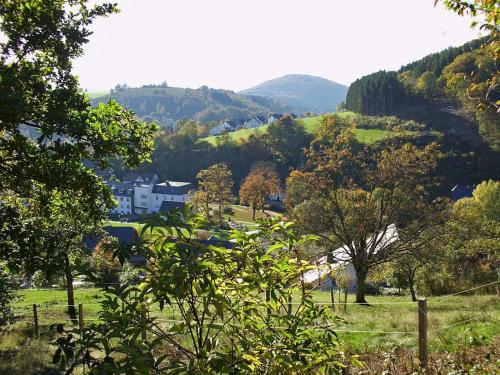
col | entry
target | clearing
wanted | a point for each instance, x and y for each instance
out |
(310, 125)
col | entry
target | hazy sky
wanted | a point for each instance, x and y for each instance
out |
(235, 44)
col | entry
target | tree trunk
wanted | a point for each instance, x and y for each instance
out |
(253, 213)
(346, 290)
(412, 288)
(268, 299)
(69, 290)
(332, 293)
(361, 287)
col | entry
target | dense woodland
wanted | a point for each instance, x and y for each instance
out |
(442, 90)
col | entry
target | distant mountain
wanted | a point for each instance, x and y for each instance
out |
(167, 105)
(303, 93)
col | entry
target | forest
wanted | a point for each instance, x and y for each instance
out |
(442, 90)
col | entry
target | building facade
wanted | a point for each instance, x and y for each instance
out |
(143, 194)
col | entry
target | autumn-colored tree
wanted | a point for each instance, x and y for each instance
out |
(214, 187)
(261, 182)
(357, 198)
(104, 264)
(254, 192)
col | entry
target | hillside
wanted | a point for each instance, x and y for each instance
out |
(310, 124)
(435, 90)
(303, 93)
(166, 105)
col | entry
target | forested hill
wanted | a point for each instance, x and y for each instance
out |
(434, 90)
(167, 105)
(304, 93)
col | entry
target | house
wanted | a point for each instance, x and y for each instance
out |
(227, 126)
(277, 197)
(255, 122)
(167, 206)
(143, 188)
(273, 117)
(340, 259)
(461, 191)
(142, 194)
(221, 128)
(124, 195)
(169, 191)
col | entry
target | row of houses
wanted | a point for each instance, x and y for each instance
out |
(144, 194)
(255, 122)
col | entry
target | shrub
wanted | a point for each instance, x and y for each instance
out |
(232, 311)
(7, 295)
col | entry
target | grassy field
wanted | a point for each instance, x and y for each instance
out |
(310, 124)
(97, 94)
(384, 315)
(454, 323)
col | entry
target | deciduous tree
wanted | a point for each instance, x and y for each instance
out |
(347, 195)
(214, 186)
(262, 181)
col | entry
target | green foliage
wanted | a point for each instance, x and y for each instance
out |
(467, 250)
(348, 196)
(167, 105)
(426, 89)
(7, 295)
(375, 94)
(224, 325)
(48, 126)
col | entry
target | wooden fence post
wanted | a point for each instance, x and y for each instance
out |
(422, 332)
(80, 318)
(35, 319)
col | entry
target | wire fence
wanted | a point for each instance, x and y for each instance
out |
(53, 312)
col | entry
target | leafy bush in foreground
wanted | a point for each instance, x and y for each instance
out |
(233, 310)
(7, 295)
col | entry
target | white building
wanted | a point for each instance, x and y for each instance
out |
(219, 129)
(255, 122)
(142, 194)
(340, 259)
(124, 196)
(273, 117)
(169, 191)
(143, 188)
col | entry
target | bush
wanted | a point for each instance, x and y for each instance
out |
(223, 325)
(39, 280)
(8, 286)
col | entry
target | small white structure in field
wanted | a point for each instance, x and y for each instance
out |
(341, 259)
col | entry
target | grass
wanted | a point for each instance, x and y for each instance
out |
(472, 319)
(97, 94)
(244, 214)
(310, 125)
(461, 322)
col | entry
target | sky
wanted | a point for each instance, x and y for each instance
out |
(236, 44)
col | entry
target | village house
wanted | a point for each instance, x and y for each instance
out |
(255, 122)
(273, 117)
(143, 194)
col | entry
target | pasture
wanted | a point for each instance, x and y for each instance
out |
(310, 124)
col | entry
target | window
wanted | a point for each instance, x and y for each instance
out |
(157, 197)
(171, 198)
(144, 204)
(144, 196)
(121, 198)
(128, 199)
(128, 206)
